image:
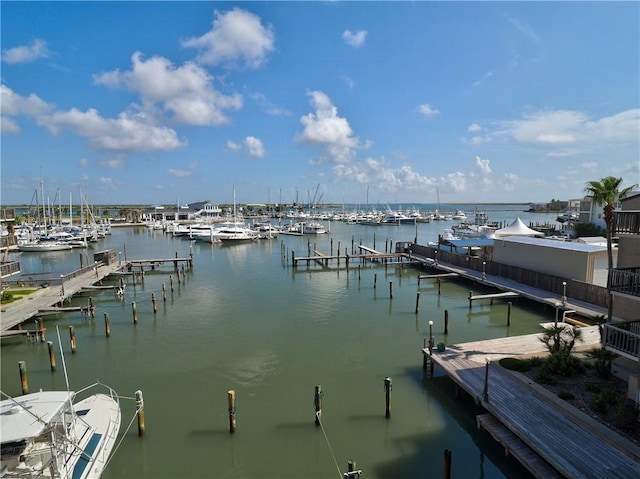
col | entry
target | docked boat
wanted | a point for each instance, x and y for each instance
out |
(232, 232)
(307, 228)
(48, 435)
(40, 246)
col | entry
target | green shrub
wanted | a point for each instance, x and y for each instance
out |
(514, 364)
(602, 401)
(626, 415)
(536, 361)
(563, 364)
(592, 388)
(544, 377)
(567, 396)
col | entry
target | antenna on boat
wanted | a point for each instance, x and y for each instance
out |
(64, 365)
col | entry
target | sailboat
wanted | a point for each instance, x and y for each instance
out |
(233, 231)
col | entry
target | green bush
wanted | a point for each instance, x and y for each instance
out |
(626, 415)
(567, 396)
(563, 364)
(544, 377)
(602, 401)
(514, 364)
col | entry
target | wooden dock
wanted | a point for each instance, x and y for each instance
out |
(571, 442)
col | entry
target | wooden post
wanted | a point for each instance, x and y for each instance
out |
(317, 402)
(417, 301)
(359, 267)
(438, 281)
(72, 335)
(121, 284)
(164, 293)
(41, 330)
(140, 412)
(22, 366)
(153, 302)
(390, 289)
(470, 294)
(107, 326)
(293, 258)
(425, 360)
(134, 312)
(92, 309)
(171, 282)
(509, 313)
(387, 392)
(231, 398)
(375, 280)
(446, 321)
(52, 357)
(447, 464)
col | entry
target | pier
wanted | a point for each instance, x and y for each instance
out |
(536, 427)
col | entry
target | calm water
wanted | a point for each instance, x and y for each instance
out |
(243, 319)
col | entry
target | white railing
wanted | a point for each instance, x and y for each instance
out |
(622, 340)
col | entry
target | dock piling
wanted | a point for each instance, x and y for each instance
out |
(447, 464)
(387, 391)
(107, 326)
(231, 399)
(140, 413)
(509, 313)
(417, 301)
(22, 366)
(52, 357)
(153, 302)
(317, 402)
(134, 312)
(72, 335)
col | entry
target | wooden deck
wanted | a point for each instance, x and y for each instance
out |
(574, 446)
(45, 298)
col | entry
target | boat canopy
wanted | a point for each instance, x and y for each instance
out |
(30, 415)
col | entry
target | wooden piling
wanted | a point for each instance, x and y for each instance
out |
(509, 313)
(92, 310)
(375, 280)
(164, 293)
(417, 301)
(447, 464)
(446, 321)
(231, 399)
(387, 392)
(140, 413)
(153, 302)
(134, 312)
(22, 366)
(107, 326)
(390, 289)
(52, 357)
(317, 401)
(72, 336)
(470, 300)
(171, 282)
(41, 330)
(438, 281)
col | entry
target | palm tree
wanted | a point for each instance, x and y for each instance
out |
(607, 192)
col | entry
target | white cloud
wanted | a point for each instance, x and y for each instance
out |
(269, 107)
(589, 165)
(254, 146)
(325, 128)
(237, 37)
(186, 92)
(355, 40)
(83, 162)
(15, 105)
(474, 128)
(179, 173)
(428, 110)
(27, 53)
(122, 134)
(483, 165)
(564, 153)
(563, 127)
(233, 146)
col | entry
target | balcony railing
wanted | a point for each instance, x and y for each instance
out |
(625, 281)
(626, 222)
(623, 338)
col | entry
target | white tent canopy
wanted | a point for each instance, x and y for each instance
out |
(517, 228)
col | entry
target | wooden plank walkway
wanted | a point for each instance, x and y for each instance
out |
(28, 307)
(514, 447)
(575, 448)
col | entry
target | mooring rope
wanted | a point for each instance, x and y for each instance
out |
(115, 449)
(329, 444)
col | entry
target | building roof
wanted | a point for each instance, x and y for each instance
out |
(468, 243)
(550, 243)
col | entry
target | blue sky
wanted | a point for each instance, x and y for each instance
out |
(390, 102)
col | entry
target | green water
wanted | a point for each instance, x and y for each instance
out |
(244, 319)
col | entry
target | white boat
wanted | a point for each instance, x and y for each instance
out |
(307, 228)
(232, 232)
(40, 246)
(459, 215)
(48, 435)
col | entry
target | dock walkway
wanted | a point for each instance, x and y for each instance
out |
(19, 311)
(503, 284)
(574, 444)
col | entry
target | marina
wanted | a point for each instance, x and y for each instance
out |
(245, 318)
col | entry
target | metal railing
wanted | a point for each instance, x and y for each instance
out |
(623, 338)
(626, 222)
(625, 281)
(10, 268)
